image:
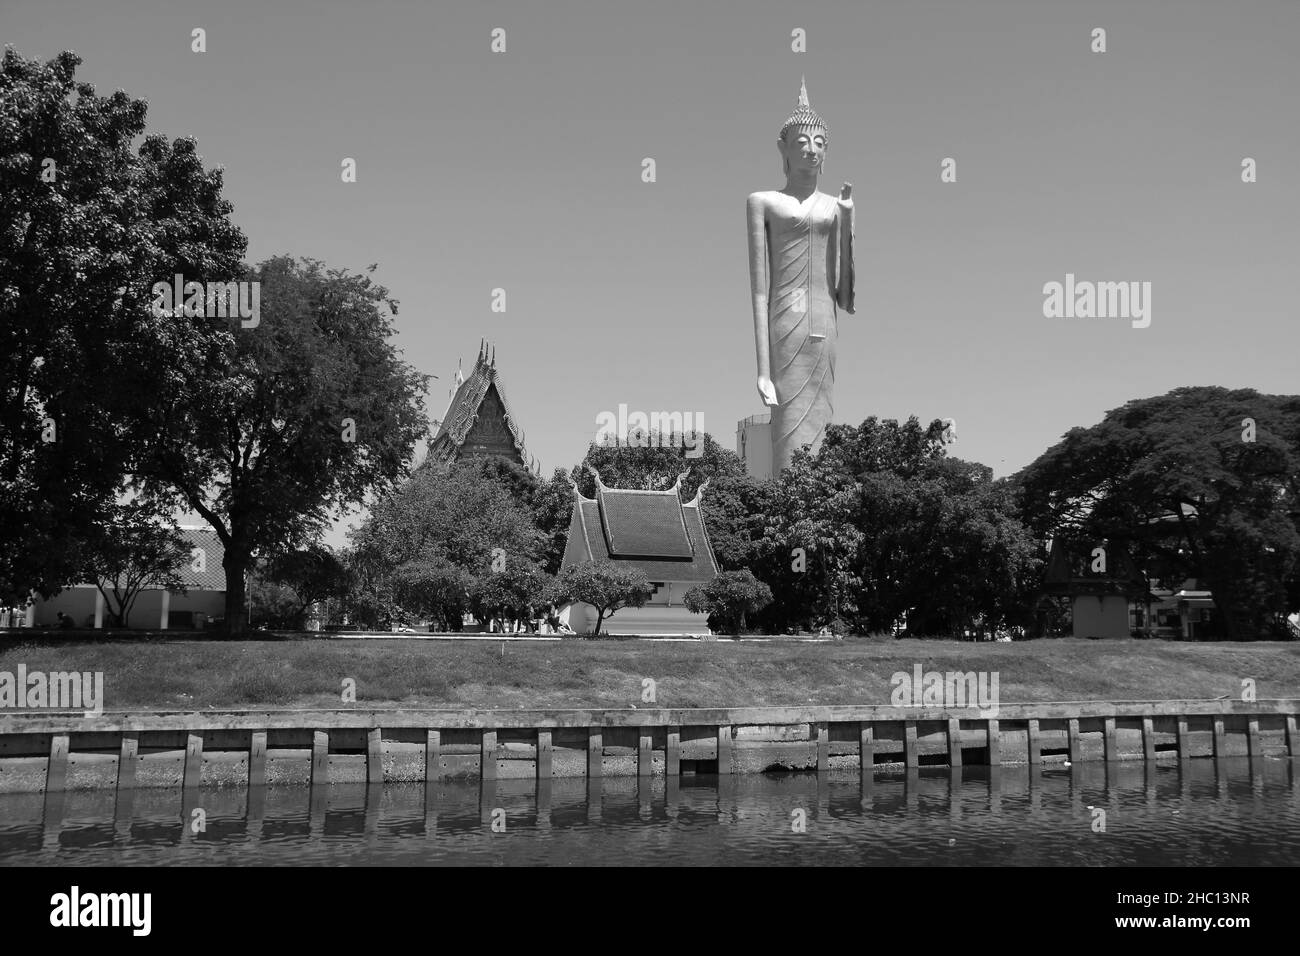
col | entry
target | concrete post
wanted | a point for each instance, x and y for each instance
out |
(166, 609)
(99, 609)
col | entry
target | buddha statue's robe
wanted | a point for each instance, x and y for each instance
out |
(804, 265)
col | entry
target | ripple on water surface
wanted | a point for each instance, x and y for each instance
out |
(1206, 812)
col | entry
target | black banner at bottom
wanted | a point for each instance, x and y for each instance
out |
(338, 906)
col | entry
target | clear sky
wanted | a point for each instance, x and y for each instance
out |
(522, 170)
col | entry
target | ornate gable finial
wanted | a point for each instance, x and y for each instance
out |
(600, 485)
(677, 485)
(493, 363)
(803, 92)
(699, 493)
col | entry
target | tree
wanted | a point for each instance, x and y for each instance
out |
(655, 462)
(424, 543)
(552, 509)
(270, 603)
(882, 527)
(428, 587)
(312, 574)
(1202, 482)
(728, 598)
(270, 431)
(521, 483)
(88, 222)
(283, 589)
(604, 585)
(512, 592)
(136, 552)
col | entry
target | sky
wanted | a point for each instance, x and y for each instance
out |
(522, 170)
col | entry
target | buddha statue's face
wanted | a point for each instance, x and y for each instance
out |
(803, 148)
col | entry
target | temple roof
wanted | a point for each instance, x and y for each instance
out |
(476, 394)
(1069, 570)
(654, 531)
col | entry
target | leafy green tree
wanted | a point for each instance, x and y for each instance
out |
(881, 528)
(271, 431)
(291, 583)
(429, 587)
(423, 544)
(137, 551)
(271, 603)
(1202, 482)
(728, 598)
(552, 509)
(514, 592)
(604, 585)
(89, 221)
(315, 573)
(521, 483)
(655, 463)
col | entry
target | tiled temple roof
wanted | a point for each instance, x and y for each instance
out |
(654, 531)
(1069, 570)
(463, 411)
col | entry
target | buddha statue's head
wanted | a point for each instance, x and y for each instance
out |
(803, 140)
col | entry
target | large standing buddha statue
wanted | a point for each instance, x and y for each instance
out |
(800, 275)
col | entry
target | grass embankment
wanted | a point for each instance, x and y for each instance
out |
(576, 673)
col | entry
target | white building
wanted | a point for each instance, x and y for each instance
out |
(203, 599)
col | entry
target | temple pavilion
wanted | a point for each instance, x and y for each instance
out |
(654, 531)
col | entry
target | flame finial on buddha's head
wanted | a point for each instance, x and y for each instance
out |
(804, 115)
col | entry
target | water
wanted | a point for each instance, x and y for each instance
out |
(1206, 812)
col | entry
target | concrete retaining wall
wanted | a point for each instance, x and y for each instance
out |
(45, 751)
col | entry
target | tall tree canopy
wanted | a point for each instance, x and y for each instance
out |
(88, 223)
(423, 546)
(271, 431)
(882, 526)
(1202, 482)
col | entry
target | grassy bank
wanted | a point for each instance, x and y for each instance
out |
(388, 673)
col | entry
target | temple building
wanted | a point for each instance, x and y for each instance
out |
(654, 531)
(478, 421)
(1101, 583)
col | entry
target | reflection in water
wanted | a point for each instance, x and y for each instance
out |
(1202, 812)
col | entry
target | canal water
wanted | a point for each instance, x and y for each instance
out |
(1200, 813)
